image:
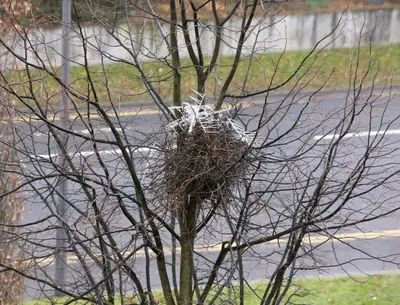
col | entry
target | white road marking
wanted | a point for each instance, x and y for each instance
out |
(359, 134)
(40, 134)
(90, 153)
(84, 131)
(103, 130)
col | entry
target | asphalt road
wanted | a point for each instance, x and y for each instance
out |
(355, 254)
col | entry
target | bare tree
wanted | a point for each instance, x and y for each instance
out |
(214, 191)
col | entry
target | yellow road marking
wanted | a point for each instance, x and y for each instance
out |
(72, 116)
(321, 239)
(33, 117)
(385, 94)
(317, 239)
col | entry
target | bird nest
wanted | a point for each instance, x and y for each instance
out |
(206, 155)
(205, 165)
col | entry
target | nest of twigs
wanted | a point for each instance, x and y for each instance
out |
(206, 164)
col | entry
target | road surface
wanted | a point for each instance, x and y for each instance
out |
(352, 252)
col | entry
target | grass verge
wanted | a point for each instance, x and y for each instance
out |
(122, 82)
(371, 290)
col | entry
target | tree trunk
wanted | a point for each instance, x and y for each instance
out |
(187, 223)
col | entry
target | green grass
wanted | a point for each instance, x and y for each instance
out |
(372, 290)
(315, 4)
(329, 68)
